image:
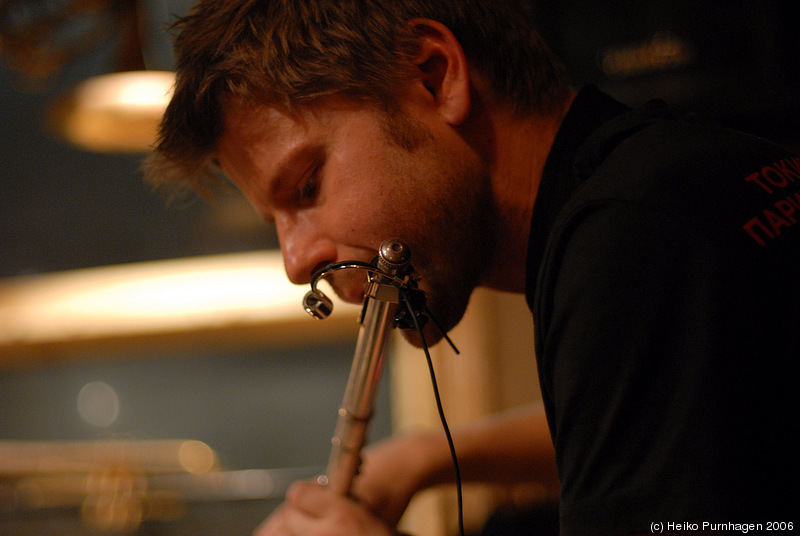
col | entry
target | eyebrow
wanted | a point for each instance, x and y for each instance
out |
(304, 156)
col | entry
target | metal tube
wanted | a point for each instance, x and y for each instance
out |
(382, 295)
(359, 398)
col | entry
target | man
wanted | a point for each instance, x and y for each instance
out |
(659, 257)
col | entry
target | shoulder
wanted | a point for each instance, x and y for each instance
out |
(712, 179)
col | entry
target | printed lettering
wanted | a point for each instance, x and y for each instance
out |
(790, 174)
(769, 172)
(795, 163)
(682, 525)
(776, 221)
(751, 226)
(787, 209)
(770, 223)
(769, 227)
(778, 175)
(755, 178)
(794, 200)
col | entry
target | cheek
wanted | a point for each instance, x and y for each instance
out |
(365, 196)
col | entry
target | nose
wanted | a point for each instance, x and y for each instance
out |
(304, 248)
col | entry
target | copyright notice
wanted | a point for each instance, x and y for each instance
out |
(658, 527)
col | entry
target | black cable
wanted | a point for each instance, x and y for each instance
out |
(441, 330)
(450, 443)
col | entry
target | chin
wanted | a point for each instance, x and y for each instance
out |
(432, 335)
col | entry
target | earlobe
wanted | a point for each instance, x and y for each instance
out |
(443, 70)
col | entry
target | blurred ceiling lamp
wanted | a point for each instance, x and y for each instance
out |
(241, 299)
(117, 112)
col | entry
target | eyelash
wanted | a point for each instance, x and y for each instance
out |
(309, 189)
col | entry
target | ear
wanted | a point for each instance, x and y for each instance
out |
(443, 70)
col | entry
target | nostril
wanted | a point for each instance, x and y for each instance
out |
(320, 266)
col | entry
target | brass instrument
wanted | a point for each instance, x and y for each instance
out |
(389, 278)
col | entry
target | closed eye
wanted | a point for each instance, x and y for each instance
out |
(295, 183)
(309, 189)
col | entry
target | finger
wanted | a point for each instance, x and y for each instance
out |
(310, 498)
(314, 510)
(274, 525)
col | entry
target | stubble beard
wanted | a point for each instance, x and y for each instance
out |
(450, 229)
(453, 249)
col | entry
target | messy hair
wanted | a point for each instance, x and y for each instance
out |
(291, 52)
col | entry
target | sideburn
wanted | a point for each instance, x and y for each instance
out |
(403, 130)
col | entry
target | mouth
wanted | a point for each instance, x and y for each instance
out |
(351, 295)
(349, 286)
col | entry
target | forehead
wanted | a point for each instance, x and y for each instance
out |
(248, 123)
(263, 146)
(257, 138)
(255, 130)
(256, 121)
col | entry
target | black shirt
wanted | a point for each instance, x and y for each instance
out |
(664, 280)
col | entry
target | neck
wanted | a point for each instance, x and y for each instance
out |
(515, 149)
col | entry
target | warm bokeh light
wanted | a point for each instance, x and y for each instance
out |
(117, 112)
(176, 296)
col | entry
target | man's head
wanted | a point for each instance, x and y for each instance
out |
(292, 52)
(347, 122)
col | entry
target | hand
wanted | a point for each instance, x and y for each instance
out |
(393, 470)
(312, 510)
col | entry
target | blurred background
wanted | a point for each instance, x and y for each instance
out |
(261, 399)
(252, 386)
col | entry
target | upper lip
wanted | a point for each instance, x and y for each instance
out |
(319, 267)
(350, 293)
(348, 284)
